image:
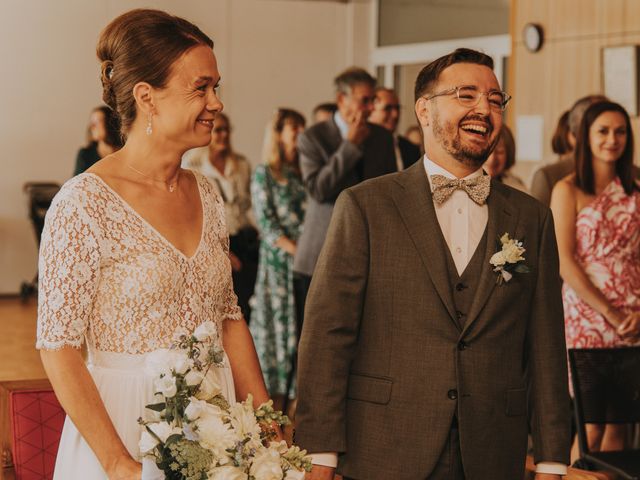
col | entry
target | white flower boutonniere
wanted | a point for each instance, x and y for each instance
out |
(508, 260)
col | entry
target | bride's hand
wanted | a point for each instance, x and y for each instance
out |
(125, 468)
(629, 329)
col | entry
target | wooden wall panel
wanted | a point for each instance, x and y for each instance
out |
(569, 65)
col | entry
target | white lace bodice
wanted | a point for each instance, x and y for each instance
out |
(107, 276)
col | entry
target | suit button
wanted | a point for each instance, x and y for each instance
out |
(459, 314)
(462, 345)
(460, 287)
(452, 394)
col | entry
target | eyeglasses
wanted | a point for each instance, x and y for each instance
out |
(469, 96)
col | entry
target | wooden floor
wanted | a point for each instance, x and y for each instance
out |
(19, 359)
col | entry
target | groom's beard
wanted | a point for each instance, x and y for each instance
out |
(448, 135)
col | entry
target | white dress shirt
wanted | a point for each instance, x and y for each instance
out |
(461, 220)
(396, 146)
(463, 223)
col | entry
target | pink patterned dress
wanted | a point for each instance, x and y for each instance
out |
(608, 249)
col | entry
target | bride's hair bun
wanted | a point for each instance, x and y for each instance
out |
(141, 46)
(106, 74)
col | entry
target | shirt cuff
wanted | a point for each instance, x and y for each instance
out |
(554, 468)
(326, 459)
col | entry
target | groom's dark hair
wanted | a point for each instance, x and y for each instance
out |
(428, 76)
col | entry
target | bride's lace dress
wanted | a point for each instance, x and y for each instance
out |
(110, 280)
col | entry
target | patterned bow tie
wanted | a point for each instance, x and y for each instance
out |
(477, 188)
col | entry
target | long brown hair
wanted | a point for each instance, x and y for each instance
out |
(560, 140)
(111, 127)
(584, 156)
(273, 152)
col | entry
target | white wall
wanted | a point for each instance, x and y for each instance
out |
(271, 53)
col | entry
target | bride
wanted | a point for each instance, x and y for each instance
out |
(135, 250)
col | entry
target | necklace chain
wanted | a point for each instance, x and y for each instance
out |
(170, 185)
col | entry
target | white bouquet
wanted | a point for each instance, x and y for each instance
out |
(197, 435)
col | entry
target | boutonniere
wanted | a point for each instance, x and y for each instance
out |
(508, 259)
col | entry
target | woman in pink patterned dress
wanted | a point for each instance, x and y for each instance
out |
(597, 216)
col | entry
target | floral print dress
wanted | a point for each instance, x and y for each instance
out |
(279, 207)
(608, 249)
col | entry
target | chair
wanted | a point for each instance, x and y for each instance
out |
(40, 195)
(31, 421)
(606, 385)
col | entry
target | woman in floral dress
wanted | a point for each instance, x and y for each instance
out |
(278, 201)
(597, 216)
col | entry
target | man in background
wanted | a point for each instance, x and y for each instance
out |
(324, 112)
(334, 155)
(386, 113)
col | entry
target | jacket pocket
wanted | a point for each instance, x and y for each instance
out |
(516, 402)
(369, 389)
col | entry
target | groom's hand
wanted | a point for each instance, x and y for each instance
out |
(547, 476)
(320, 472)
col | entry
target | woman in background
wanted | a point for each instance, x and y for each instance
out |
(597, 220)
(502, 159)
(103, 138)
(231, 173)
(279, 203)
(414, 135)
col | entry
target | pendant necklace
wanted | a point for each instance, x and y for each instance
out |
(170, 185)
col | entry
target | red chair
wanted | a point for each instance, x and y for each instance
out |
(36, 423)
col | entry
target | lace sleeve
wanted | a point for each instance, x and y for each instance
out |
(69, 270)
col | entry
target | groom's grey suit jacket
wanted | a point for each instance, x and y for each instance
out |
(387, 358)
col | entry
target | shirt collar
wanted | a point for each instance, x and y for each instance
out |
(433, 168)
(341, 123)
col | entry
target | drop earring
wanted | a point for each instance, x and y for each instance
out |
(149, 129)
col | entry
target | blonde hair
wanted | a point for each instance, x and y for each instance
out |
(273, 155)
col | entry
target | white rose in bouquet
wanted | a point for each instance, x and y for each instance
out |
(181, 365)
(163, 430)
(194, 409)
(215, 434)
(294, 474)
(205, 331)
(156, 362)
(194, 377)
(267, 465)
(164, 361)
(227, 473)
(243, 420)
(166, 385)
(147, 443)
(209, 388)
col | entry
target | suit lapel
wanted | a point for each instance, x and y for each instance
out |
(503, 217)
(412, 198)
(333, 134)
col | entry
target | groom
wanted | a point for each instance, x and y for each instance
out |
(415, 362)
